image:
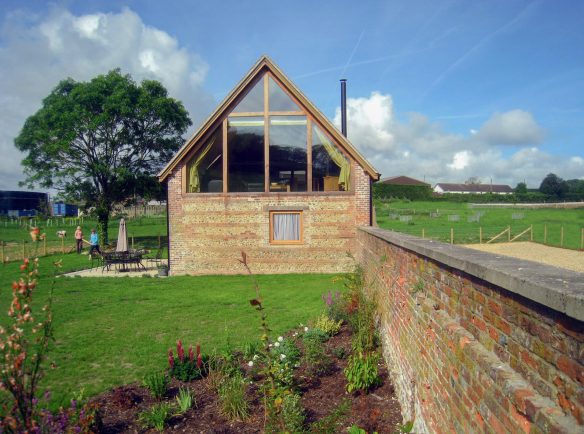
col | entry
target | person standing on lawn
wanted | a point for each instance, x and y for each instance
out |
(94, 242)
(79, 239)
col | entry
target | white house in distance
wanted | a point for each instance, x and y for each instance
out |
(442, 188)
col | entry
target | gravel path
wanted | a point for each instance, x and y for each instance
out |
(563, 258)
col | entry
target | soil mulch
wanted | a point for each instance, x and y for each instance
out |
(377, 410)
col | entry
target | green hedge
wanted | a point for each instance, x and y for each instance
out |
(412, 192)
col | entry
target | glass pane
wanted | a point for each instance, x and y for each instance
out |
(288, 153)
(330, 169)
(286, 227)
(279, 101)
(253, 101)
(205, 170)
(245, 154)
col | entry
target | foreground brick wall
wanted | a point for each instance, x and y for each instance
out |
(475, 342)
(208, 231)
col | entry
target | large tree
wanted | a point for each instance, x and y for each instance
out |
(99, 141)
(553, 185)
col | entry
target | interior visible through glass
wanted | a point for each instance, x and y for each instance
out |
(330, 168)
(288, 155)
(205, 170)
(245, 154)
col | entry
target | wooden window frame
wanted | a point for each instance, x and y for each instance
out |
(300, 229)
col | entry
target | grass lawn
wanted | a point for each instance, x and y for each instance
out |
(111, 331)
(145, 231)
(492, 222)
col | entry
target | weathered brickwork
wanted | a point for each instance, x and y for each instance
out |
(470, 356)
(209, 231)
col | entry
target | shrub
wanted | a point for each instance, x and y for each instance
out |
(340, 353)
(156, 417)
(315, 335)
(361, 372)
(317, 361)
(328, 325)
(288, 349)
(157, 384)
(287, 416)
(232, 398)
(189, 368)
(184, 400)
(335, 306)
(24, 345)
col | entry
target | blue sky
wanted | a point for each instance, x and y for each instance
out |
(438, 90)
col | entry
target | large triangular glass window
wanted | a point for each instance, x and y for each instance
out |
(253, 101)
(279, 100)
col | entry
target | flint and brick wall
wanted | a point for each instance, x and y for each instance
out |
(208, 231)
(477, 342)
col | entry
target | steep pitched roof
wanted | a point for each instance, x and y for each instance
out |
(266, 64)
(475, 188)
(403, 180)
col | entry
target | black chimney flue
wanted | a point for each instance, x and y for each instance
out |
(344, 106)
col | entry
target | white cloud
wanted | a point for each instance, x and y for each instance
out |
(515, 127)
(37, 52)
(423, 149)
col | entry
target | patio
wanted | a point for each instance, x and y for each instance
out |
(151, 269)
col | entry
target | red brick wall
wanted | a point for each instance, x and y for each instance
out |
(467, 355)
(208, 231)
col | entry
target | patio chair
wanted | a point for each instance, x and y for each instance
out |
(97, 259)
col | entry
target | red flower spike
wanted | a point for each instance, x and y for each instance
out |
(170, 358)
(14, 285)
(199, 361)
(191, 354)
(180, 351)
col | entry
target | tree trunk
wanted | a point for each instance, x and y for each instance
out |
(102, 222)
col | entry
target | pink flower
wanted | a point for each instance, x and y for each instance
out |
(191, 354)
(170, 358)
(180, 351)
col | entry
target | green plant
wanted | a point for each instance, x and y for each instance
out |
(340, 353)
(184, 400)
(286, 350)
(289, 416)
(327, 325)
(24, 345)
(232, 398)
(330, 424)
(419, 286)
(361, 372)
(362, 321)
(250, 349)
(156, 383)
(315, 335)
(156, 417)
(188, 368)
(317, 361)
(354, 429)
(406, 427)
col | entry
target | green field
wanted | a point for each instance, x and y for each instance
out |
(14, 233)
(111, 331)
(436, 219)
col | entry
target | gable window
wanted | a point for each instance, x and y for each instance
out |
(286, 227)
(268, 143)
(205, 169)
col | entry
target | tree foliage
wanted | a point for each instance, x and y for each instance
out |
(101, 141)
(521, 188)
(554, 186)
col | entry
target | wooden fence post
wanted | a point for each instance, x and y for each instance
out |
(530, 232)
(545, 234)
(562, 236)
(480, 235)
(451, 235)
(508, 234)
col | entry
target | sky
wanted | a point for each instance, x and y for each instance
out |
(437, 90)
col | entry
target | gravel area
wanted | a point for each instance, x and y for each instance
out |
(558, 257)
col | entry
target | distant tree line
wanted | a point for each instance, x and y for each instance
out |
(552, 189)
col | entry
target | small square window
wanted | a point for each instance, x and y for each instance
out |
(286, 227)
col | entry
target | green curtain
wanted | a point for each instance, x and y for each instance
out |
(338, 158)
(193, 170)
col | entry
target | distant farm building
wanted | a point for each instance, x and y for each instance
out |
(442, 188)
(22, 203)
(403, 180)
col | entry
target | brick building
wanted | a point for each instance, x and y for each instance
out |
(269, 174)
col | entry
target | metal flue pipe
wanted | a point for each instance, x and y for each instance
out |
(344, 106)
